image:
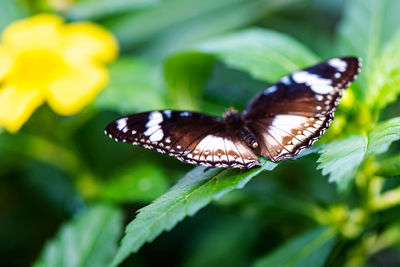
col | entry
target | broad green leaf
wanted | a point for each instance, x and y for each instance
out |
(88, 240)
(11, 10)
(383, 135)
(265, 54)
(144, 182)
(183, 36)
(186, 74)
(132, 29)
(309, 249)
(94, 9)
(340, 159)
(181, 22)
(190, 194)
(134, 86)
(366, 28)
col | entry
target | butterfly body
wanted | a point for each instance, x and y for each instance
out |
(236, 124)
(278, 123)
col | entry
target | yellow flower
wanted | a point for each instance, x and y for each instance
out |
(43, 59)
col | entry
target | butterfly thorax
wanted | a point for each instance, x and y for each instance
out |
(235, 121)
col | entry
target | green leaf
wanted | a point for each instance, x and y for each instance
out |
(190, 194)
(384, 79)
(309, 249)
(389, 167)
(88, 240)
(180, 22)
(143, 182)
(265, 54)
(94, 9)
(366, 28)
(153, 21)
(186, 74)
(340, 159)
(11, 10)
(134, 86)
(383, 135)
(233, 16)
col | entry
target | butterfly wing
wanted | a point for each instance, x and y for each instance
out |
(191, 137)
(293, 113)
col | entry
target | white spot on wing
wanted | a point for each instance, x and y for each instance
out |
(315, 82)
(288, 121)
(167, 113)
(270, 90)
(121, 124)
(285, 80)
(155, 118)
(338, 64)
(184, 114)
(319, 97)
(153, 125)
(157, 136)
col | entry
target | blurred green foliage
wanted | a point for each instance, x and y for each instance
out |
(65, 187)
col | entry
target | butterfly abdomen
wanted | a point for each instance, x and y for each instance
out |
(248, 137)
(235, 122)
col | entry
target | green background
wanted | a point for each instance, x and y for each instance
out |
(67, 191)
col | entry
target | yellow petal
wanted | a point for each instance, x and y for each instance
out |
(6, 62)
(37, 32)
(17, 105)
(77, 88)
(87, 40)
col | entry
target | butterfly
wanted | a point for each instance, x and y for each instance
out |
(278, 123)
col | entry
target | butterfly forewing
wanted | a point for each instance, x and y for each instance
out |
(191, 137)
(293, 113)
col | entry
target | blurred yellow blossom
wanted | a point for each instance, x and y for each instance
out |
(43, 59)
(348, 99)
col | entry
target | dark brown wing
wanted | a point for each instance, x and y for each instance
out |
(191, 137)
(293, 113)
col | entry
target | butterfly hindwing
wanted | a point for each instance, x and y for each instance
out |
(293, 113)
(191, 137)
